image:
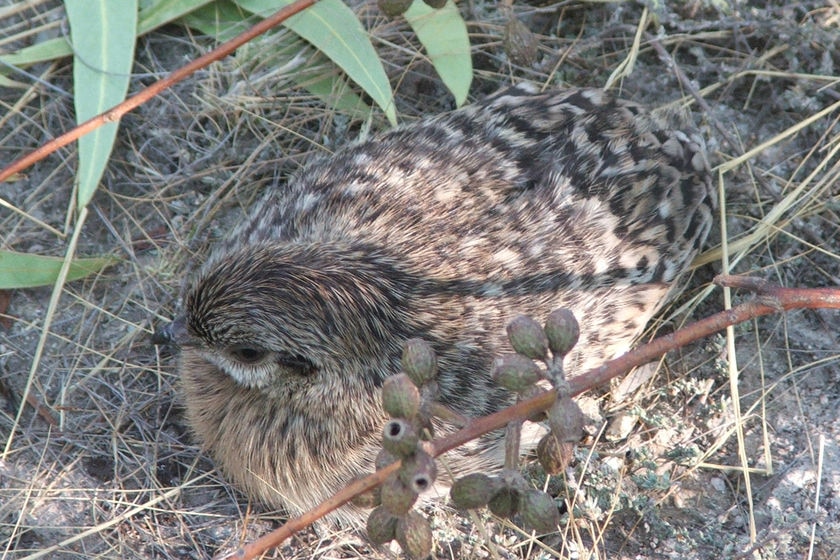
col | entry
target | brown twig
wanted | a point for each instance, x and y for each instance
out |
(773, 299)
(9, 393)
(686, 83)
(42, 410)
(115, 113)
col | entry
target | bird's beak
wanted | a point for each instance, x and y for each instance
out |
(173, 334)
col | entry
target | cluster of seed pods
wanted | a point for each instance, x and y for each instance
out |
(409, 398)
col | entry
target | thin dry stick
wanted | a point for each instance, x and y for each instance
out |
(114, 114)
(686, 83)
(292, 526)
(771, 299)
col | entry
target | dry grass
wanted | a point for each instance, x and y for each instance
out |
(118, 476)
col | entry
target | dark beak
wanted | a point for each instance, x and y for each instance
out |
(173, 334)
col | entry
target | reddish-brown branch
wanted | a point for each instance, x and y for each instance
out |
(772, 299)
(115, 113)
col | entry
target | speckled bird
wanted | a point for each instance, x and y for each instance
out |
(444, 229)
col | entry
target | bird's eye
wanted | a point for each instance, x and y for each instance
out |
(247, 354)
(299, 365)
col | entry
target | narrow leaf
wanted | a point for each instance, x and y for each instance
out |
(221, 19)
(444, 35)
(33, 54)
(22, 270)
(335, 30)
(333, 88)
(153, 14)
(103, 34)
(318, 75)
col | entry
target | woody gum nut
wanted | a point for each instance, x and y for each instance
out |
(381, 526)
(419, 471)
(539, 511)
(528, 338)
(553, 455)
(505, 502)
(562, 330)
(399, 437)
(474, 490)
(385, 458)
(419, 361)
(519, 43)
(515, 372)
(400, 396)
(414, 536)
(512, 478)
(565, 419)
(393, 8)
(397, 498)
(369, 499)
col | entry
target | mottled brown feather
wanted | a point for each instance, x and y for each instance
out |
(444, 229)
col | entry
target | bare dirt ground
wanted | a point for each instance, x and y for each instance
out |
(661, 474)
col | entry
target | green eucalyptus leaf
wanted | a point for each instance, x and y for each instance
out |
(221, 19)
(335, 30)
(153, 14)
(225, 19)
(102, 33)
(50, 49)
(333, 88)
(317, 74)
(22, 270)
(443, 34)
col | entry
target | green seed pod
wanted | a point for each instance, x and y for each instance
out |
(381, 526)
(394, 8)
(553, 455)
(505, 502)
(397, 498)
(436, 4)
(419, 471)
(512, 478)
(419, 361)
(399, 438)
(414, 536)
(515, 372)
(519, 42)
(474, 490)
(384, 458)
(539, 511)
(369, 499)
(528, 338)
(562, 330)
(566, 420)
(400, 397)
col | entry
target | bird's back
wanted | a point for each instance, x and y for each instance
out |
(569, 182)
(535, 200)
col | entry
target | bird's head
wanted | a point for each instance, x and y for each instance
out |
(281, 317)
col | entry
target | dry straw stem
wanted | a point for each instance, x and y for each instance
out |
(625, 68)
(770, 299)
(115, 114)
(113, 522)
